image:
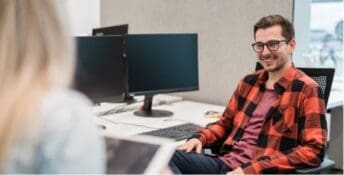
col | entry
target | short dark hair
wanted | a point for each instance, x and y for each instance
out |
(288, 31)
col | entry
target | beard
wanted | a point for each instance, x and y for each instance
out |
(272, 63)
(269, 57)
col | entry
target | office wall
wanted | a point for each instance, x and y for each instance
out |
(83, 15)
(224, 28)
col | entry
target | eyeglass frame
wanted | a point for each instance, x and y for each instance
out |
(267, 46)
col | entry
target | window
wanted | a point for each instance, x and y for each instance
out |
(326, 35)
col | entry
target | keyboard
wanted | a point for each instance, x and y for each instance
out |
(178, 132)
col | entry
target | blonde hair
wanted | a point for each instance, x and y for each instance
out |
(36, 55)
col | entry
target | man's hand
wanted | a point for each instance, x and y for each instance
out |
(192, 144)
(236, 171)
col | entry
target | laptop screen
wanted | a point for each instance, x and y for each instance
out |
(137, 155)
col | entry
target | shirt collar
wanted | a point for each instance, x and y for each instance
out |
(283, 82)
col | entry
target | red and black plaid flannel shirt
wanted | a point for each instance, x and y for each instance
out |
(294, 132)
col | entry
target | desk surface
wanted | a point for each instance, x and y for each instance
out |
(126, 123)
(110, 108)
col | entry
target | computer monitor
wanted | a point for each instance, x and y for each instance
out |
(161, 63)
(111, 30)
(100, 68)
(116, 30)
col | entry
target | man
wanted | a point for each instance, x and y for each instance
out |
(273, 123)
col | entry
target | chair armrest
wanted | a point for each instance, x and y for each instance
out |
(324, 167)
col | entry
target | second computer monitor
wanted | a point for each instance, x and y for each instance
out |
(100, 68)
(161, 63)
(116, 30)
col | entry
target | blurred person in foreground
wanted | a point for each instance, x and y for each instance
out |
(44, 126)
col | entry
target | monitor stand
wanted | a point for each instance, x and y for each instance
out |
(147, 111)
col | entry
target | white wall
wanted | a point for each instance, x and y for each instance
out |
(83, 15)
(225, 34)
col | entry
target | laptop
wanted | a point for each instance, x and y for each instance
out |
(138, 154)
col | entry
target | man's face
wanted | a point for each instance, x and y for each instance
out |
(274, 61)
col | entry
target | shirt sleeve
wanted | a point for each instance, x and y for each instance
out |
(312, 140)
(219, 130)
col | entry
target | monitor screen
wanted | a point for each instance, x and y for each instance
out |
(161, 63)
(100, 68)
(111, 30)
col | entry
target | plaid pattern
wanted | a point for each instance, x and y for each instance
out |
(294, 131)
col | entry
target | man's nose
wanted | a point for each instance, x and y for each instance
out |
(265, 51)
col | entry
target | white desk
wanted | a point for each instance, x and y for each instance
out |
(111, 108)
(126, 123)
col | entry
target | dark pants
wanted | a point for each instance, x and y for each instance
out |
(192, 163)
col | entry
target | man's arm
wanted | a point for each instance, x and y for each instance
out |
(219, 130)
(312, 140)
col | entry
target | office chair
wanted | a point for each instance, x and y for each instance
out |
(324, 77)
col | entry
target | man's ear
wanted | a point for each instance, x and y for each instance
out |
(291, 46)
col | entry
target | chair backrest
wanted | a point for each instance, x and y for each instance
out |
(323, 76)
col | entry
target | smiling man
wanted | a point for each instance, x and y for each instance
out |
(274, 121)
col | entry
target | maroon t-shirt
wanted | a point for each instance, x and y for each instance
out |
(242, 151)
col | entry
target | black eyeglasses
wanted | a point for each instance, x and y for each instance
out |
(272, 45)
